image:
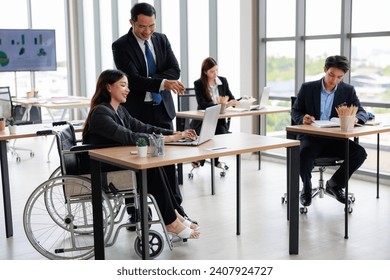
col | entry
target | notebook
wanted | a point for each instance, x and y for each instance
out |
(326, 123)
(207, 130)
(247, 107)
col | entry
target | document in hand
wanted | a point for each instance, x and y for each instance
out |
(333, 122)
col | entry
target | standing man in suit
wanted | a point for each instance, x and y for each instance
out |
(153, 72)
(151, 99)
(317, 100)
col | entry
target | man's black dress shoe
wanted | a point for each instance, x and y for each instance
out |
(336, 191)
(305, 199)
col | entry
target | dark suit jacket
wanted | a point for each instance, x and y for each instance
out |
(129, 58)
(203, 103)
(106, 127)
(223, 90)
(309, 101)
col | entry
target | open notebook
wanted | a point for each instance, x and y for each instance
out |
(207, 129)
(264, 97)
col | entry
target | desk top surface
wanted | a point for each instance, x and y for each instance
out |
(196, 114)
(30, 130)
(337, 132)
(54, 102)
(220, 145)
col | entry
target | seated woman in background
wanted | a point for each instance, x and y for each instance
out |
(209, 90)
(108, 122)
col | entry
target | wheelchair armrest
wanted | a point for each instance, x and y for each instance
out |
(87, 147)
(45, 132)
(59, 123)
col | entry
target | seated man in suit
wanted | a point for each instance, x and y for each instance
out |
(317, 100)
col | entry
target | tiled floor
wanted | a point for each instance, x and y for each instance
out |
(264, 233)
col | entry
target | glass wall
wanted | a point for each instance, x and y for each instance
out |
(296, 51)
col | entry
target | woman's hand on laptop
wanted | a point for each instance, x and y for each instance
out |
(177, 135)
(188, 133)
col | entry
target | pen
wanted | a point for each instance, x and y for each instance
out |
(217, 148)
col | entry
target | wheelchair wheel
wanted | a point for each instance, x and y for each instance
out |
(58, 219)
(56, 172)
(156, 244)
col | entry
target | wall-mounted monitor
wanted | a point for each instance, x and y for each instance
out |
(27, 50)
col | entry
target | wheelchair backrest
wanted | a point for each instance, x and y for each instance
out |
(66, 140)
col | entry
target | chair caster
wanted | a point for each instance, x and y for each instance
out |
(190, 175)
(303, 210)
(223, 167)
(350, 209)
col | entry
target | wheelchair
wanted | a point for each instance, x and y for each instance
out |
(58, 219)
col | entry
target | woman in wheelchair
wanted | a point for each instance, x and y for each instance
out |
(108, 122)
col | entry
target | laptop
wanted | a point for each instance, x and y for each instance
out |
(263, 99)
(207, 130)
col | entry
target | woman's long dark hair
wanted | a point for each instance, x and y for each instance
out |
(101, 95)
(207, 64)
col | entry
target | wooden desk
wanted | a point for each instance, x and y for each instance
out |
(55, 103)
(197, 114)
(335, 132)
(231, 114)
(243, 143)
(23, 131)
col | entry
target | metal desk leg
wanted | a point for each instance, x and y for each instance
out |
(212, 160)
(179, 173)
(98, 234)
(346, 178)
(9, 231)
(180, 127)
(238, 194)
(293, 198)
(377, 165)
(144, 215)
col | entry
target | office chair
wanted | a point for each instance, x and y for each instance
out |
(8, 110)
(321, 164)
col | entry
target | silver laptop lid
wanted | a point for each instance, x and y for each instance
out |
(209, 123)
(264, 97)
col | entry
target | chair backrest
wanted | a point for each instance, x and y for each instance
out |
(5, 103)
(66, 139)
(292, 135)
(8, 110)
(186, 102)
(293, 98)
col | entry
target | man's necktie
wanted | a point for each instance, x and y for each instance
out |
(152, 69)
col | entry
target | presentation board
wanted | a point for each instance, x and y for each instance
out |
(27, 50)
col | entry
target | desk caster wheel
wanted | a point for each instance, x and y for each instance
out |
(156, 244)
